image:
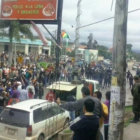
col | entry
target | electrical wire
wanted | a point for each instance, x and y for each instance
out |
(112, 4)
(105, 19)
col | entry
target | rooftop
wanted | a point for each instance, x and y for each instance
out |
(24, 41)
(28, 104)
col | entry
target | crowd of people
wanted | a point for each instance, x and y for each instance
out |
(101, 73)
(98, 72)
(18, 84)
(24, 79)
(94, 116)
(27, 80)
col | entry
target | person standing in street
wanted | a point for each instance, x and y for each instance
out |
(98, 94)
(106, 121)
(51, 96)
(41, 90)
(23, 94)
(86, 126)
(71, 98)
(128, 75)
(136, 99)
(131, 81)
(78, 104)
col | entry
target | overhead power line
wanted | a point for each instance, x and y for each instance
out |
(105, 19)
(112, 4)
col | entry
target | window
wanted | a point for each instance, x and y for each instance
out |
(42, 114)
(45, 112)
(37, 115)
(15, 117)
(57, 110)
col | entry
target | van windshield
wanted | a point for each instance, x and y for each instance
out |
(14, 117)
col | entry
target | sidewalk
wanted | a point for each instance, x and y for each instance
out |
(132, 132)
(129, 98)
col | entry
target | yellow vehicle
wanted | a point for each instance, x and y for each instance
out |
(64, 89)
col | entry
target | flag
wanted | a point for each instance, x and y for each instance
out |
(41, 36)
(64, 35)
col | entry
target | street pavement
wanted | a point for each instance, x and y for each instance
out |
(129, 98)
(132, 132)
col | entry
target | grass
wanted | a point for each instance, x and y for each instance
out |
(128, 109)
(128, 115)
(67, 131)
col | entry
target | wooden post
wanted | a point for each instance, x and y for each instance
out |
(118, 89)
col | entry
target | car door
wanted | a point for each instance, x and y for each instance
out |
(62, 117)
(59, 117)
(50, 121)
(39, 122)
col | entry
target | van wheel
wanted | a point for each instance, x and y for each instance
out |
(41, 137)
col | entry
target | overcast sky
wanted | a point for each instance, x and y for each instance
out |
(94, 10)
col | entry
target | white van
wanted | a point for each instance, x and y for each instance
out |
(33, 119)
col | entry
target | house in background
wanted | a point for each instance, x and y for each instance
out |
(26, 46)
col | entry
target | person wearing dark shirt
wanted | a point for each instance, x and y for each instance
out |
(78, 104)
(71, 98)
(2, 100)
(86, 127)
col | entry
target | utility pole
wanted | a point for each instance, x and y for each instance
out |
(57, 51)
(77, 33)
(118, 89)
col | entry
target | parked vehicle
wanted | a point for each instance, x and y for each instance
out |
(135, 66)
(33, 119)
(93, 86)
(64, 89)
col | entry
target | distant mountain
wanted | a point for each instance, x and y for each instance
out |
(136, 50)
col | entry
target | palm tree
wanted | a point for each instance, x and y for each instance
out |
(15, 29)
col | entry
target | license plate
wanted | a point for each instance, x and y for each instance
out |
(11, 131)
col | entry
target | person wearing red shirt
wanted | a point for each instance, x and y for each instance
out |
(50, 96)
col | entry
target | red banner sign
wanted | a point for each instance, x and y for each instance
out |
(29, 9)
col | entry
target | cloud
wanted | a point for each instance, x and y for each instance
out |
(92, 11)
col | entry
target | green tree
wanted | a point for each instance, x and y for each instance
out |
(129, 52)
(90, 40)
(71, 54)
(15, 30)
(103, 51)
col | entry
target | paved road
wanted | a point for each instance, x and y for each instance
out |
(132, 132)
